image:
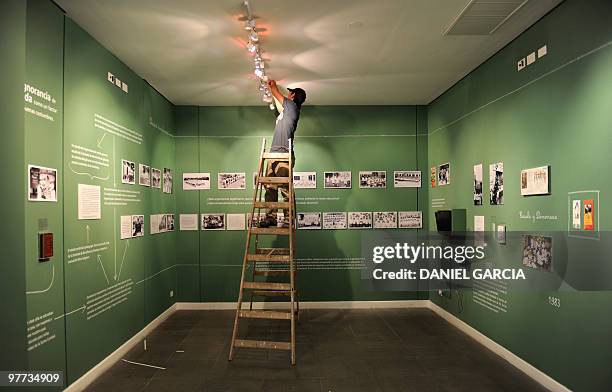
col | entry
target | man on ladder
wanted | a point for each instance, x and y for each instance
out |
(286, 123)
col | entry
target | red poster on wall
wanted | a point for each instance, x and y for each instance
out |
(589, 211)
(432, 176)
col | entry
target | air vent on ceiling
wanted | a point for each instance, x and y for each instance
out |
(483, 17)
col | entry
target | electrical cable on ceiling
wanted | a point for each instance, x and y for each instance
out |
(254, 49)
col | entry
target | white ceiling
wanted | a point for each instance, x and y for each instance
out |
(191, 51)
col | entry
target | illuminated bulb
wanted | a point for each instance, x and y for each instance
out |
(259, 64)
(272, 107)
(249, 24)
(253, 36)
(251, 47)
(267, 98)
(259, 73)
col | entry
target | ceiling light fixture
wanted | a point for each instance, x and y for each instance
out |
(254, 48)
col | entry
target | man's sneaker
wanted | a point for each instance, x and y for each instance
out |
(267, 222)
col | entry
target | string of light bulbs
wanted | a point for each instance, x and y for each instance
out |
(254, 48)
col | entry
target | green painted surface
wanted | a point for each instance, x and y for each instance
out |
(555, 112)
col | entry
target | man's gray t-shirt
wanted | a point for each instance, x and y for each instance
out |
(286, 123)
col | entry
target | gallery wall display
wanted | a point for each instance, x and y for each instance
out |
(589, 217)
(308, 220)
(89, 202)
(167, 181)
(576, 214)
(410, 219)
(42, 183)
(334, 220)
(501, 234)
(132, 226)
(196, 181)
(231, 181)
(444, 175)
(496, 183)
(305, 180)
(535, 181)
(128, 172)
(155, 178)
(213, 222)
(433, 176)
(235, 221)
(161, 223)
(385, 220)
(537, 252)
(144, 175)
(407, 179)
(372, 179)
(188, 222)
(337, 180)
(478, 184)
(360, 220)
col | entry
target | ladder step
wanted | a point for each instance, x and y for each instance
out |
(273, 180)
(272, 204)
(270, 258)
(277, 156)
(274, 251)
(267, 286)
(265, 314)
(270, 230)
(272, 272)
(262, 344)
(274, 293)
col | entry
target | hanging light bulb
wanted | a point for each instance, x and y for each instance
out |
(249, 24)
(259, 73)
(253, 35)
(251, 47)
(259, 64)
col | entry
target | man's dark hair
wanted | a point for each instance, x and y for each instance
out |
(299, 95)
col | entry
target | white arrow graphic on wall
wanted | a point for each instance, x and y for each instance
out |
(127, 245)
(100, 140)
(103, 270)
(71, 312)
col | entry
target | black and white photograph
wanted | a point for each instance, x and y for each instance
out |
(534, 181)
(213, 222)
(309, 220)
(444, 176)
(137, 225)
(169, 222)
(537, 252)
(337, 180)
(360, 220)
(385, 220)
(42, 183)
(372, 179)
(144, 175)
(196, 181)
(496, 183)
(407, 179)
(155, 178)
(305, 180)
(410, 219)
(128, 172)
(231, 181)
(334, 221)
(256, 219)
(478, 184)
(167, 180)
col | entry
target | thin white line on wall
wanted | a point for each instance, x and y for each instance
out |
(296, 136)
(590, 52)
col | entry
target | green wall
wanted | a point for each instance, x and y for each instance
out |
(228, 139)
(554, 112)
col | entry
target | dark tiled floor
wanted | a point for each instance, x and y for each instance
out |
(378, 350)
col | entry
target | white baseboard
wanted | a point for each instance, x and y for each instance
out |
(93, 373)
(537, 375)
(307, 305)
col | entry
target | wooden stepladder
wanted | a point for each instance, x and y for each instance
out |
(277, 262)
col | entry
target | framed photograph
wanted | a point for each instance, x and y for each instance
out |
(309, 220)
(432, 176)
(235, 222)
(501, 234)
(213, 222)
(137, 226)
(167, 180)
(231, 181)
(155, 178)
(334, 221)
(128, 172)
(537, 252)
(407, 179)
(496, 183)
(534, 181)
(144, 175)
(589, 214)
(169, 221)
(372, 179)
(478, 184)
(385, 220)
(42, 183)
(256, 219)
(360, 220)
(444, 176)
(337, 180)
(188, 222)
(196, 181)
(410, 219)
(305, 180)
